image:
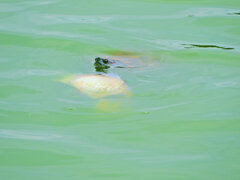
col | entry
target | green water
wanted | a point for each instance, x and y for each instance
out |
(182, 122)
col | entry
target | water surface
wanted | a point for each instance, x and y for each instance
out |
(182, 121)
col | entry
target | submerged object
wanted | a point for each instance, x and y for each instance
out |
(98, 85)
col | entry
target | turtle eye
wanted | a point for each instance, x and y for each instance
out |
(105, 61)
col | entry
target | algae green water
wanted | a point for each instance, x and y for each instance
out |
(182, 122)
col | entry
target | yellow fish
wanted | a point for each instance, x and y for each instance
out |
(98, 85)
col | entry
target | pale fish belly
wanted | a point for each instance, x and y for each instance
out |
(97, 85)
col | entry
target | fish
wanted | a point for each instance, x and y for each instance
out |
(98, 85)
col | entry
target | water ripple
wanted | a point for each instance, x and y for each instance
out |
(166, 106)
(66, 19)
(16, 74)
(226, 84)
(26, 135)
(206, 12)
(19, 6)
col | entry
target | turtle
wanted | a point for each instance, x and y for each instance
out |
(123, 59)
(102, 83)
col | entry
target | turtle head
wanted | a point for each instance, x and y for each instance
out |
(101, 64)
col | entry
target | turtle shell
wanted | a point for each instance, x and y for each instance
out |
(98, 85)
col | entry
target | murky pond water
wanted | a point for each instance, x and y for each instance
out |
(182, 120)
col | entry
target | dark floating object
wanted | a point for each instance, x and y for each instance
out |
(206, 46)
(234, 13)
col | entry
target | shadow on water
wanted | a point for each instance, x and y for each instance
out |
(206, 46)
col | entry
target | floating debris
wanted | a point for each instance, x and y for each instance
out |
(206, 46)
(234, 13)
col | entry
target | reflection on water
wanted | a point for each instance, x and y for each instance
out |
(111, 106)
